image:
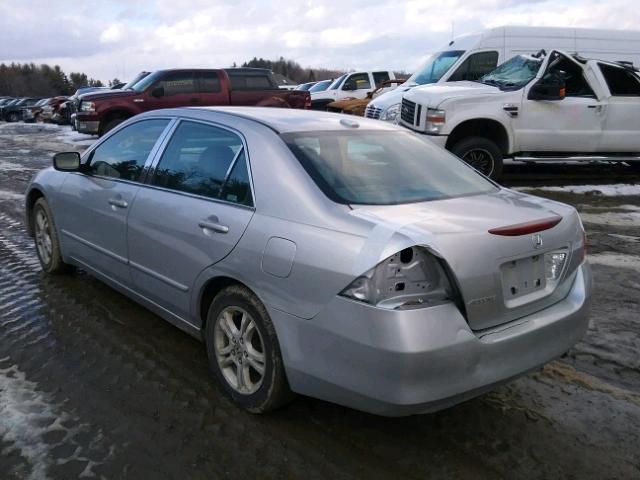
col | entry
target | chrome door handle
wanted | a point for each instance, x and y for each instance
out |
(117, 202)
(214, 227)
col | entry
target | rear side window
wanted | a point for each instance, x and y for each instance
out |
(475, 66)
(251, 82)
(205, 160)
(620, 81)
(124, 154)
(209, 82)
(178, 82)
(379, 77)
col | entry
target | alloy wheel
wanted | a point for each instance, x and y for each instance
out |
(239, 350)
(481, 160)
(44, 244)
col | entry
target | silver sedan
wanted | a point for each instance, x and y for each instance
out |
(345, 259)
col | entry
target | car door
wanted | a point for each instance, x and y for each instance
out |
(176, 89)
(356, 85)
(573, 124)
(94, 205)
(621, 132)
(195, 207)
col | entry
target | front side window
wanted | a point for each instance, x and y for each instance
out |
(124, 154)
(435, 67)
(621, 82)
(205, 160)
(383, 167)
(176, 83)
(475, 66)
(575, 83)
(337, 82)
(358, 81)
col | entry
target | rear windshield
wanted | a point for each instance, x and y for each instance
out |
(383, 167)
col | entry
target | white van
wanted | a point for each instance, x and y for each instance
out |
(468, 57)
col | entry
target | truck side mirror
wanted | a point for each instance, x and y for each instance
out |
(550, 87)
(157, 92)
(349, 86)
(67, 161)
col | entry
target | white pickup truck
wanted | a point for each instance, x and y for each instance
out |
(351, 85)
(541, 107)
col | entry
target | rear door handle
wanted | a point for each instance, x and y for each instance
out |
(118, 203)
(214, 227)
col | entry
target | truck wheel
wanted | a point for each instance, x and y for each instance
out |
(13, 117)
(47, 243)
(110, 125)
(244, 353)
(482, 154)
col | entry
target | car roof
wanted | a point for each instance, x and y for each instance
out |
(284, 120)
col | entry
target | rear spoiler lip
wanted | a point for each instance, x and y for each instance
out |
(525, 228)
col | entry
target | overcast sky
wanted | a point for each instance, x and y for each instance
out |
(119, 38)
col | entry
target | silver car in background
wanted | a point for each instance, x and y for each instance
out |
(345, 259)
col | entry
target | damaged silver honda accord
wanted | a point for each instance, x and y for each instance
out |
(349, 260)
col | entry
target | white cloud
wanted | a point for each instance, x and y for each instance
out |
(120, 37)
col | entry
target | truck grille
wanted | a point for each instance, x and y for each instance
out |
(372, 112)
(408, 111)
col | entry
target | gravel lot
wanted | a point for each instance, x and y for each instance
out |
(93, 385)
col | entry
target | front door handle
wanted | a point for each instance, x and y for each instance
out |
(214, 227)
(118, 203)
(592, 106)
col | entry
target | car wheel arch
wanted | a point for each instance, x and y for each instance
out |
(32, 197)
(488, 128)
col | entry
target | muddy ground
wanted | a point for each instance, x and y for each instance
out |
(93, 385)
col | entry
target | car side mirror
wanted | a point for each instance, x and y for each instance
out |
(550, 87)
(157, 92)
(349, 86)
(67, 161)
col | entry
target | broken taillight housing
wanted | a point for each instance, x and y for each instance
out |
(412, 278)
(554, 264)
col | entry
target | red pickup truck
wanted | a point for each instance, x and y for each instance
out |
(101, 111)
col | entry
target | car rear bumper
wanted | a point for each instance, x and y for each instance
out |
(416, 361)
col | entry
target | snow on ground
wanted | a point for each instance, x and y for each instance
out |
(615, 260)
(6, 166)
(71, 136)
(8, 195)
(606, 190)
(618, 219)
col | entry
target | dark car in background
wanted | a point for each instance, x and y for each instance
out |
(305, 86)
(99, 112)
(13, 112)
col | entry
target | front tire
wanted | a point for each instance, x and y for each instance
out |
(13, 117)
(482, 154)
(46, 239)
(244, 353)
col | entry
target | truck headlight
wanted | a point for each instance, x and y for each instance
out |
(87, 107)
(391, 114)
(435, 120)
(412, 278)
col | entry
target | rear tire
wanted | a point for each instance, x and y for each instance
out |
(244, 353)
(482, 154)
(13, 117)
(46, 239)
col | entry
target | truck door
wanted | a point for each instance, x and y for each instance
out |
(175, 89)
(621, 125)
(573, 124)
(356, 85)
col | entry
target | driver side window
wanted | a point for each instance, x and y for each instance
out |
(124, 154)
(575, 83)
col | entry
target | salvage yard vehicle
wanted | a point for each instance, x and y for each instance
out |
(357, 106)
(350, 85)
(12, 112)
(185, 87)
(31, 114)
(554, 107)
(470, 56)
(51, 110)
(321, 86)
(375, 270)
